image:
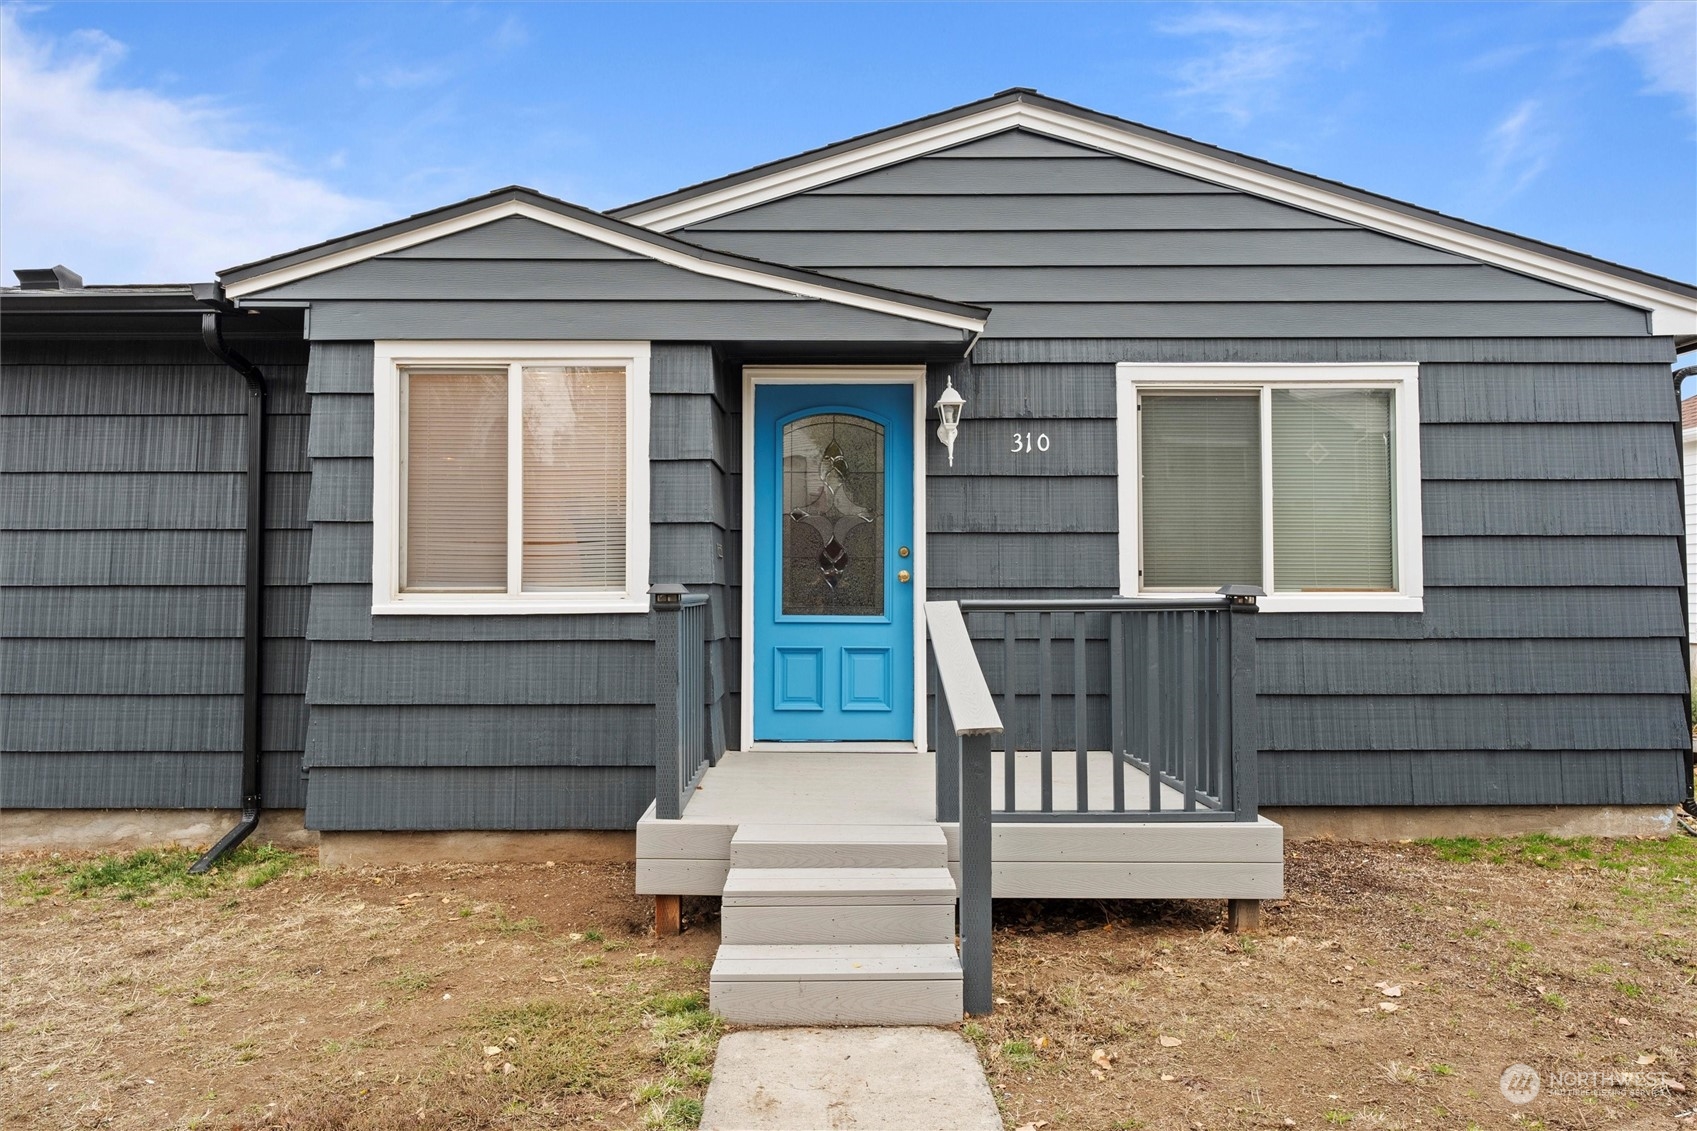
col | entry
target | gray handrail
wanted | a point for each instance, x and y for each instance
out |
(971, 706)
(964, 700)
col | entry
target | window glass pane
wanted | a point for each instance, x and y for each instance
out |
(1201, 491)
(1332, 527)
(574, 478)
(833, 516)
(456, 480)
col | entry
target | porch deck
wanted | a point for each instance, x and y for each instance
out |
(1120, 859)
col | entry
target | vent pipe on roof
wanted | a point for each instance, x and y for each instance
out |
(211, 295)
(60, 278)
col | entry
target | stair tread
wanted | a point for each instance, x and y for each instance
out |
(837, 962)
(777, 834)
(860, 884)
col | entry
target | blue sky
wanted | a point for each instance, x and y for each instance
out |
(160, 142)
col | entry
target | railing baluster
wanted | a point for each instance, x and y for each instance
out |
(1188, 666)
(1117, 704)
(1009, 743)
(1045, 709)
(1227, 791)
(1212, 707)
(1153, 704)
(1080, 727)
(1199, 679)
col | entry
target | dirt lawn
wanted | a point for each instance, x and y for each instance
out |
(520, 996)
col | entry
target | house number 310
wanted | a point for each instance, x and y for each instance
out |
(1023, 443)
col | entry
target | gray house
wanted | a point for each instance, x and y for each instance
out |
(714, 515)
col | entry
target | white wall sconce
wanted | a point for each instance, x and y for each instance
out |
(948, 406)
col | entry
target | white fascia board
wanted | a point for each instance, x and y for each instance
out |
(670, 256)
(1672, 314)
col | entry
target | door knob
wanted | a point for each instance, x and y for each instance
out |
(904, 577)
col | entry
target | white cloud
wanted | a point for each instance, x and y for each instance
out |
(1663, 35)
(1518, 149)
(127, 185)
(1254, 54)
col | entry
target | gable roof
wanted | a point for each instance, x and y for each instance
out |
(252, 280)
(1672, 303)
(1688, 414)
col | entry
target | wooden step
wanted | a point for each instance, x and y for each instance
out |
(838, 846)
(838, 886)
(833, 923)
(837, 985)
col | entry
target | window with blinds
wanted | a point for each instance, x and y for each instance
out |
(1201, 491)
(475, 519)
(455, 481)
(574, 479)
(1309, 471)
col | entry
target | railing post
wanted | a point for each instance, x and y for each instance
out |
(973, 723)
(975, 833)
(668, 772)
(1245, 725)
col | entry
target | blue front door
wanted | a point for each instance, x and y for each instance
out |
(833, 563)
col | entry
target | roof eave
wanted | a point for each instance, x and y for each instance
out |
(254, 279)
(1670, 303)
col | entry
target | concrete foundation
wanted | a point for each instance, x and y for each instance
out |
(384, 849)
(1401, 822)
(126, 830)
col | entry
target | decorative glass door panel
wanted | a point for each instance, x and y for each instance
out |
(833, 516)
(831, 577)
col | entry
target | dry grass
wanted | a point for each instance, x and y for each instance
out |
(272, 994)
(1569, 956)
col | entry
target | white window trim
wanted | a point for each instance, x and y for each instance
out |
(1133, 378)
(391, 359)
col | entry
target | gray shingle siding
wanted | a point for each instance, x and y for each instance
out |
(1550, 500)
(549, 719)
(1547, 665)
(122, 507)
(1068, 242)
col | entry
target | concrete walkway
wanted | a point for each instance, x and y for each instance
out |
(905, 1079)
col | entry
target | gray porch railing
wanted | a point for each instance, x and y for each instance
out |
(682, 751)
(1177, 704)
(967, 724)
(1164, 687)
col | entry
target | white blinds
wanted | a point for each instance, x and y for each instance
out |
(574, 478)
(455, 480)
(1332, 489)
(1201, 509)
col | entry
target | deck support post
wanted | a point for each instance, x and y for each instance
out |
(975, 833)
(668, 915)
(1243, 915)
